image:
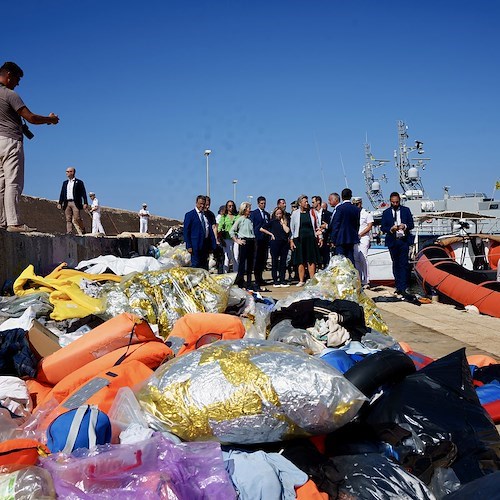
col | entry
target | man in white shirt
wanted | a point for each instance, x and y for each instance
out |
(72, 200)
(143, 218)
(333, 201)
(361, 253)
(95, 211)
(323, 217)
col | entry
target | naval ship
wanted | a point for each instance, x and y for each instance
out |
(475, 211)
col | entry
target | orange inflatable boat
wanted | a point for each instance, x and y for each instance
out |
(435, 269)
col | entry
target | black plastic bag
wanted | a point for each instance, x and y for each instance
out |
(439, 403)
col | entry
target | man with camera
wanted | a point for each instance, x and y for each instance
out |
(397, 222)
(12, 112)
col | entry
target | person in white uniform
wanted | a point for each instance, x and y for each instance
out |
(361, 254)
(95, 211)
(143, 218)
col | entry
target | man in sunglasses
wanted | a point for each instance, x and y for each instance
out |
(72, 200)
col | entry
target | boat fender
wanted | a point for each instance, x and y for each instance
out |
(380, 368)
(472, 309)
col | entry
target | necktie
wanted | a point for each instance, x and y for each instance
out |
(203, 223)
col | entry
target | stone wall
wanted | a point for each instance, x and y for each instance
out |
(44, 215)
(50, 246)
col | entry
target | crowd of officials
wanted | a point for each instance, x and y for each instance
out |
(299, 242)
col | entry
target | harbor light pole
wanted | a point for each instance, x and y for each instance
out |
(207, 153)
(235, 181)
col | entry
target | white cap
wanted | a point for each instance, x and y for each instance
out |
(144, 204)
(91, 193)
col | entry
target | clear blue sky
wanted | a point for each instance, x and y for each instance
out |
(278, 90)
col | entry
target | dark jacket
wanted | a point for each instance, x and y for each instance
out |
(194, 232)
(79, 194)
(345, 225)
(258, 222)
(388, 221)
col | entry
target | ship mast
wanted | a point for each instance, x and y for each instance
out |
(373, 190)
(408, 168)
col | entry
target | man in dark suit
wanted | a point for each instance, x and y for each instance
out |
(259, 217)
(72, 200)
(198, 235)
(345, 226)
(323, 217)
(397, 222)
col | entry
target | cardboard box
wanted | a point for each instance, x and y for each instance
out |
(42, 341)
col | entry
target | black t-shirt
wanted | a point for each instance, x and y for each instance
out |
(274, 226)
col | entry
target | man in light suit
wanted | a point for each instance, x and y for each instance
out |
(397, 222)
(72, 200)
(259, 217)
(345, 226)
(198, 235)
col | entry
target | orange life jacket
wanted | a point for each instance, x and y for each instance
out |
(194, 330)
(152, 354)
(101, 389)
(17, 454)
(118, 332)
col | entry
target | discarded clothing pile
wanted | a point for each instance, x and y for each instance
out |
(182, 386)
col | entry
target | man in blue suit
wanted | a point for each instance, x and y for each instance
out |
(397, 222)
(198, 235)
(259, 217)
(345, 226)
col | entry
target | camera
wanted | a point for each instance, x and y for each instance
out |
(27, 132)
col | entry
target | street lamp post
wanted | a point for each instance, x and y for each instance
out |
(207, 153)
(235, 181)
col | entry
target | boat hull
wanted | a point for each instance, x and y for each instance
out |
(380, 266)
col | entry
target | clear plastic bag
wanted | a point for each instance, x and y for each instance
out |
(286, 333)
(377, 340)
(173, 256)
(256, 326)
(248, 391)
(373, 476)
(151, 469)
(162, 297)
(443, 482)
(31, 483)
(14, 307)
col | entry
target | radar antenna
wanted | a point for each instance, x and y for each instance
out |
(408, 168)
(373, 189)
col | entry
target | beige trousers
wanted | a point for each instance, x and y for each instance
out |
(11, 180)
(73, 214)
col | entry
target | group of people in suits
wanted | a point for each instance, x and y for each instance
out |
(311, 233)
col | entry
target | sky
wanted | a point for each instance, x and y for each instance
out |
(284, 93)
